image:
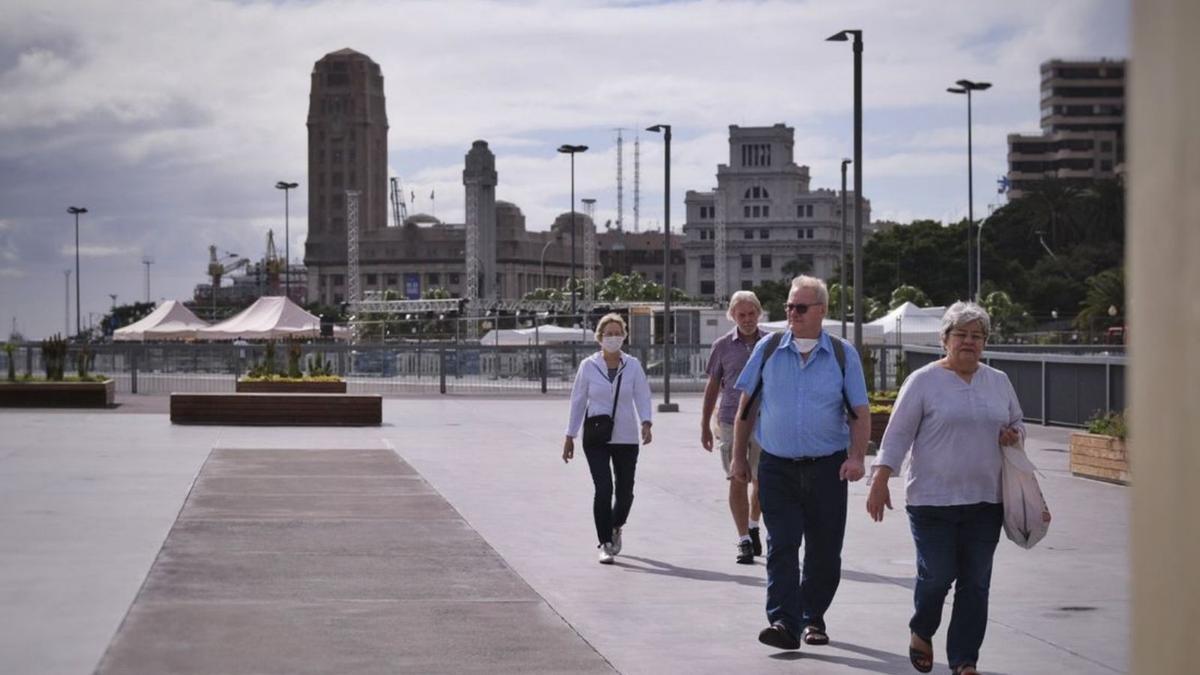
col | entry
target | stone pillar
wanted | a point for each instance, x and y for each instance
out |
(479, 178)
(1163, 231)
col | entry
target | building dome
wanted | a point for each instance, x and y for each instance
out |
(421, 219)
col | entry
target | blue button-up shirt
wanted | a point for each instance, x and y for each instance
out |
(801, 412)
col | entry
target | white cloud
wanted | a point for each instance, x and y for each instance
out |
(97, 250)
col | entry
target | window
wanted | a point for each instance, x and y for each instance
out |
(799, 210)
(747, 262)
(708, 287)
(339, 280)
(1105, 165)
(811, 233)
(706, 262)
(747, 233)
(756, 210)
(756, 154)
(808, 210)
(392, 280)
(708, 212)
(434, 278)
(1105, 146)
(747, 285)
(766, 211)
(765, 262)
(757, 192)
(454, 277)
(764, 234)
(372, 279)
(745, 211)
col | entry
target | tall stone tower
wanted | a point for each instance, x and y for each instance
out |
(480, 180)
(347, 150)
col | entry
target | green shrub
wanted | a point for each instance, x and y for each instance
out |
(9, 350)
(54, 357)
(1109, 424)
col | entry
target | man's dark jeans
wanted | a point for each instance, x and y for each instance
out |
(623, 458)
(955, 544)
(803, 501)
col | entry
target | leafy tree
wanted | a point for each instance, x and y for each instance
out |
(1007, 316)
(123, 315)
(908, 293)
(1104, 290)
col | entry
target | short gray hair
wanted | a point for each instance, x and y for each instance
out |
(805, 281)
(740, 297)
(962, 313)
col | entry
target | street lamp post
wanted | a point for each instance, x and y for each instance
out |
(287, 259)
(858, 269)
(668, 334)
(572, 150)
(966, 87)
(76, 210)
(842, 259)
(67, 307)
(979, 254)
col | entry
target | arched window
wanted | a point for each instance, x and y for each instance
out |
(757, 192)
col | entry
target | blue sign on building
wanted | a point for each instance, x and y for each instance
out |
(412, 286)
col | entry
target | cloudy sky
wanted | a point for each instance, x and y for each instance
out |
(172, 120)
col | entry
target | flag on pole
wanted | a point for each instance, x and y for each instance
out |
(431, 194)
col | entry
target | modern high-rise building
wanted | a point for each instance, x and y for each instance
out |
(1083, 127)
(775, 225)
(347, 150)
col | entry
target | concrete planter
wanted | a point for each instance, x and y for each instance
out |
(291, 387)
(58, 394)
(879, 422)
(1099, 457)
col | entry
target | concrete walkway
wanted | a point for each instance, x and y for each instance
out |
(87, 501)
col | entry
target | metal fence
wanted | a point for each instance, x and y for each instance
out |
(427, 367)
(1055, 388)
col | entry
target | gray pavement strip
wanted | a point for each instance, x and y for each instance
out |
(311, 561)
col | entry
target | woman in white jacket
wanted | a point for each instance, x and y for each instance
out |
(601, 376)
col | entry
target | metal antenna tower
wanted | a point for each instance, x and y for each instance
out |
(589, 253)
(637, 181)
(147, 261)
(720, 271)
(620, 181)
(472, 290)
(352, 283)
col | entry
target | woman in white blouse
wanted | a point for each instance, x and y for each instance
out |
(954, 414)
(601, 376)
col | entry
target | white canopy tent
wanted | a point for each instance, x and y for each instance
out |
(169, 321)
(545, 335)
(268, 318)
(911, 325)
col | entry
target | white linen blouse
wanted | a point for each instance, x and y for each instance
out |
(592, 394)
(953, 430)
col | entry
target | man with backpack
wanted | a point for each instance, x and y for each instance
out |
(805, 400)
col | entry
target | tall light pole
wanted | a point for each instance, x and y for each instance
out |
(858, 304)
(668, 333)
(543, 258)
(572, 150)
(67, 307)
(966, 87)
(76, 210)
(287, 258)
(842, 259)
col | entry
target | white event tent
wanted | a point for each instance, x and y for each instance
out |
(547, 334)
(268, 318)
(911, 325)
(169, 321)
(872, 335)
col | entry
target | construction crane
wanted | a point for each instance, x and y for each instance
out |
(218, 269)
(274, 264)
(399, 208)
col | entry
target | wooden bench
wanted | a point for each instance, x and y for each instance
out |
(278, 409)
(58, 394)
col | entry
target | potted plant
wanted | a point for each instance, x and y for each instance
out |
(83, 390)
(1100, 452)
(262, 378)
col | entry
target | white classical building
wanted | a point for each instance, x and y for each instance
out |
(771, 219)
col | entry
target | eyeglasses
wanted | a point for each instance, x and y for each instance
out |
(802, 308)
(963, 336)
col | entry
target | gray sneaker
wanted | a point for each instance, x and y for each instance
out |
(606, 554)
(616, 542)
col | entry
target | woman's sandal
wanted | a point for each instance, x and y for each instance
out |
(920, 659)
(965, 669)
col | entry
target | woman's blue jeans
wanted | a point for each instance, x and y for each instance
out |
(955, 545)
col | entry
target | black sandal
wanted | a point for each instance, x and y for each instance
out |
(921, 660)
(815, 636)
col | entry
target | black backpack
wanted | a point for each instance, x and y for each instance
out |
(839, 352)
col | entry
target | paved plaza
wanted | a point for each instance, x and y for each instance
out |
(454, 539)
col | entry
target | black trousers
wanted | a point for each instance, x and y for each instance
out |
(605, 461)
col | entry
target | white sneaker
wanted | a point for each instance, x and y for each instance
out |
(616, 542)
(606, 554)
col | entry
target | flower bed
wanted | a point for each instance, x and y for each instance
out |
(291, 386)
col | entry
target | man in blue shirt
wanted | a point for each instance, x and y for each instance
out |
(810, 452)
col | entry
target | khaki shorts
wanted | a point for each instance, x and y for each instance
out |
(726, 440)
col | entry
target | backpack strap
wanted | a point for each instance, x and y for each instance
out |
(772, 344)
(839, 352)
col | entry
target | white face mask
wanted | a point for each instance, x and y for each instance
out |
(806, 345)
(612, 343)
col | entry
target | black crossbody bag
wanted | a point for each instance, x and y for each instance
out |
(598, 429)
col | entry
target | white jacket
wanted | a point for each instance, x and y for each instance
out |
(592, 394)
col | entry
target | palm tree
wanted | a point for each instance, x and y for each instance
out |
(1105, 292)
